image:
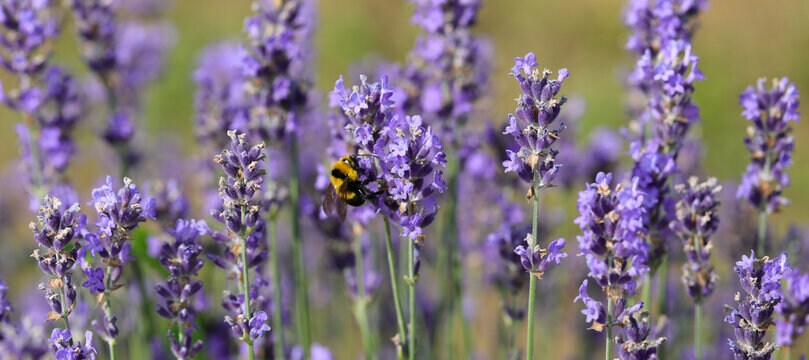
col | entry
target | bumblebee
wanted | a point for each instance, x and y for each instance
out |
(345, 188)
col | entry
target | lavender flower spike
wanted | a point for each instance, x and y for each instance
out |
(64, 348)
(536, 260)
(241, 213)
(182, 260)
(56, 230)
(697, 221)
(753, 314)
(119, 213)
(770, 142)
(793, 311)
(532, 126)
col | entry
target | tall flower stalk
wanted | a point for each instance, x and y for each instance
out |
(56, 230)
(366, 110)
(754, 312)
(241, 213)
(697, 221)
(119, 213)
(532, 126)
(443, 79)
(278, 73)
(663, 77)
(770, 142)
(182, 259)
(613, 244)
(45, 94)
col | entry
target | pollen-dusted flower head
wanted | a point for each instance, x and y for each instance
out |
(367, 108)
(754, 312)
(612, 240)
(697, 221)
(793, 311)
(412, 162)
(123, 210)
(240, 189)
(532, 124)
(770, 142)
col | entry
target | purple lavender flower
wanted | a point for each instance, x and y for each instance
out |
(26, 27)
(241, 213)
(170, 203)
(669, 82)
(276, 64)
(770, 142)
(612, 240)
(5, 306)
(64, 348)
(412, 163)
(445, 70)
(537, 109)
(56, 229)
(119, 213)
(793, 310)
(45, 94)
(697, 221)
(753, 315)
(536, 260)
(655, 23)
(182, 260)
(220, 101)
(96, 26)
(637, 342)
(367, 108)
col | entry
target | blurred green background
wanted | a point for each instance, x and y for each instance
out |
(738, 41)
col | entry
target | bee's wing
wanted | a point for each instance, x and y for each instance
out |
(329, 200)
(342, 209)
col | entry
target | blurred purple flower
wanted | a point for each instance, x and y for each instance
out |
(181, 258)
(276, 63)
(170, 203)
(654, 23)
(448, 66)
(697, 221)
(793, 310)
(26, 27)
(770, 142)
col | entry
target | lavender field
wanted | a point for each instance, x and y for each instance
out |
(403, 179)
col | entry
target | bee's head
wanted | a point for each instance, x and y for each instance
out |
(350, 160)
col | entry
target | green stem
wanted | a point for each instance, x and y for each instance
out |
(662, 278)
(108, 306)
(361, 303)
(787, 353)
(301, 286)
(395, 288)
(245, 282)
(411, 281)
(608, 352)
(275, 271)
(698, 331)
(450, 286)
(529, 341)
(762, 232)
(646, 292)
